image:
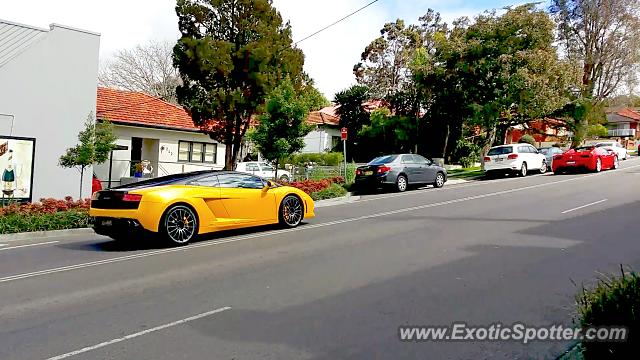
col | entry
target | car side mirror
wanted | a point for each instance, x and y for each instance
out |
(267, 186)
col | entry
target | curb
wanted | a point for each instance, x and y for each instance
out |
(337, 201)
(45, 234)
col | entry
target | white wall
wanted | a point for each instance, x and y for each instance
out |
(319, 140)
(50, 88)
(167, 157)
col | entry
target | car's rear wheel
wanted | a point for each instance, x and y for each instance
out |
(616, 162)
(179, 225)
(401, 183)
(523, 170)
(291, 211)
(439, 180)
(598, 165)
(544, 167)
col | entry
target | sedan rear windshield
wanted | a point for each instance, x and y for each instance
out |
(383, 160)
(585, 148)
(501, 150)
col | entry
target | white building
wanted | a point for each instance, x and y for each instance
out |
(156, 131)
(48, 79)
(326, 133)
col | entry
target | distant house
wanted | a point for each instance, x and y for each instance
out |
(624, 123)
(154, 130)
(544, 131)
(48, 81)
(326, 133)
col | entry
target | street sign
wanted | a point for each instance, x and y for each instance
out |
(343, 133)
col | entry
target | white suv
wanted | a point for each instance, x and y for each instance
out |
(518, 158)
(620, 150)
(263, 170)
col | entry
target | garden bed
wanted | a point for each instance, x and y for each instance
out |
(46, 215)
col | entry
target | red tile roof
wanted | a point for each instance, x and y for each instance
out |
(326, 116)
(629, 113)
(138, 109)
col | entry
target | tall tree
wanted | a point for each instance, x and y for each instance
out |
(231, 55)
(282, 128)
(95, 143)
(147, 68)
(354, 116)
(385, 62)
(603, 38)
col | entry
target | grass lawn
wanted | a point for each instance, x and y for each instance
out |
(465, 173)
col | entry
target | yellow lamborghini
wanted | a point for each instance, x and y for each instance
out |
(180, 207)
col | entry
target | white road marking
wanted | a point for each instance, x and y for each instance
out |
(26, 246)
(135, 335)
(584, 206)
(1, 245)
(277, 232)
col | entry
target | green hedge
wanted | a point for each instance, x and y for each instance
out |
(61, 220)
(322, 159)
(334, 191)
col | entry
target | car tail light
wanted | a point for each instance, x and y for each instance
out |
(512, 156)
(132, 197)
(383, 169)
(358, 172)
(586, 156)
(487, 159)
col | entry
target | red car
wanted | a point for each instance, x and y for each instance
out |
(587, 157)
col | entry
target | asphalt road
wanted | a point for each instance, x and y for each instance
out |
(336, 288)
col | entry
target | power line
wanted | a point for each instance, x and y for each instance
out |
(336, 22)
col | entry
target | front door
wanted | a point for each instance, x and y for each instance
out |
(246, 200)
(429, 170)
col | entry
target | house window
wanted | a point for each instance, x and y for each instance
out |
(197, 152)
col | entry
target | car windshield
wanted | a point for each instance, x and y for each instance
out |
(383, 160)
(503, 150)
(604, 144)
(544, 151)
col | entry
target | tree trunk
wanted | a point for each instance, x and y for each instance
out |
(446, 143)
(81, 180)
(228, 156)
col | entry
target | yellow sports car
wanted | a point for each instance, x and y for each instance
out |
(179, 207)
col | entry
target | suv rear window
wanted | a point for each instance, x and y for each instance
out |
(503, 150)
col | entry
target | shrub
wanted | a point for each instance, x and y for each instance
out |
(322, 159)
(312, 186)
(17, 222)
(466, 153)
(528, 139)
(597, 130)
(331, 192)
(615, 301)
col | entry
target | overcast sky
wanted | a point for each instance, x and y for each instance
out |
(330, 56)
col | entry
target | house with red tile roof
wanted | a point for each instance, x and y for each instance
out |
(155, 132)
(624, 123)
(325, 135)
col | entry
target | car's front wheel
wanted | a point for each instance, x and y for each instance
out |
(291, 211)
(543, 168)
(179, 225)
(523, 170)
(439, 180)
(598, 165)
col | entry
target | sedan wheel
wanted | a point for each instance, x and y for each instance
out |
(402, 183)
(291, 211)
(598, 165)
(180, 225)
(616, 163)
(439, 180)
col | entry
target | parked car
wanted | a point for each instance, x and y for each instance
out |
(514, 158)
(549, 152)
(264, 170)
(620, 150)
(589, 157)
(400, 172)
(177, 208)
